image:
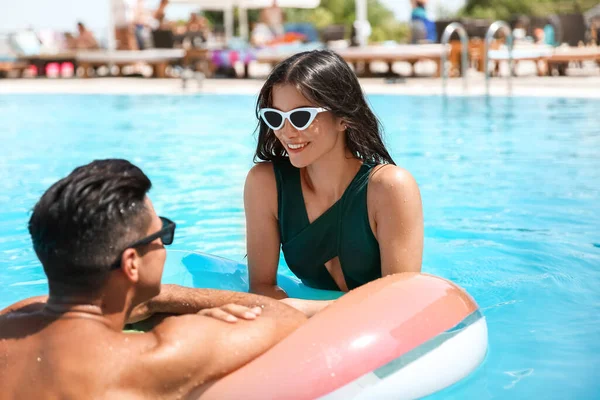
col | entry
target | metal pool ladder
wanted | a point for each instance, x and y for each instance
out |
(509, 40)
(464, 39)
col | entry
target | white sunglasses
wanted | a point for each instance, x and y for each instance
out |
(300, 118)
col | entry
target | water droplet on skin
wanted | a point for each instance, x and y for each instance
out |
(39, 359)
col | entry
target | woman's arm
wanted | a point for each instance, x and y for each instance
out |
(395, 200)
(262, 231)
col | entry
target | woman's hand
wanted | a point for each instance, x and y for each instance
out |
(232, 312)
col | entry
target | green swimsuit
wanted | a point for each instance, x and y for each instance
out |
(342, 231)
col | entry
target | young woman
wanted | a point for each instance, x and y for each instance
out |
(325, 189)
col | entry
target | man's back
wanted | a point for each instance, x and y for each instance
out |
(79, 355)
(70, 357)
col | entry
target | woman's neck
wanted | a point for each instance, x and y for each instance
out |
(330, 175)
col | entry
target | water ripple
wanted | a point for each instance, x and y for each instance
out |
(509, 187)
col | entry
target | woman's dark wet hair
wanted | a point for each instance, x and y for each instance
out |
(324, 78)
(80, 225)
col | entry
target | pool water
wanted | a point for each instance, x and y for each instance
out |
(510, 187)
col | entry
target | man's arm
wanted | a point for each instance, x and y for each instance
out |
(192, 350)
(27, 305)
(175, 299)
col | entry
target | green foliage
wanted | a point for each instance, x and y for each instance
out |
(390, 30)
(320, 17)
(342, 12)
(505, 9)
(214, 17)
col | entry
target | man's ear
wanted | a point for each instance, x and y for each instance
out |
(130, 262)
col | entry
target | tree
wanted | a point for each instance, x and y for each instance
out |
(505, 9)
(342, 12)
(338, 12)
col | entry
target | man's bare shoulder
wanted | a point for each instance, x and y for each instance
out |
(83, 356)
(180, 352)
(45, 357)
(21, 322)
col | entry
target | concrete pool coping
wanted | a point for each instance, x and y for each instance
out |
(571, 87)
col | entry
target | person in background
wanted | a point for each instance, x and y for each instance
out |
(122, 11)
(419, 14)
(539, 36)
(69, 41)
(261, 35)
(272, 17)
(520, 29)
(159, 16)
(160, 12)
(141, 25)
(194, 24)
(198, 26)
(85, 39)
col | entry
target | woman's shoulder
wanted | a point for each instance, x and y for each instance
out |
(261, 187)
(390, 182)
(261, 173)
(273, 173)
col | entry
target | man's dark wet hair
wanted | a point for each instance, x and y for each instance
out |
(82, 223)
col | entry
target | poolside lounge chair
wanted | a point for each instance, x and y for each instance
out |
(8, 59)
(411, 53)
(28, 49)
(365, 55)
(561, 57)
(537, 53)
(157, 58)
(276, 54)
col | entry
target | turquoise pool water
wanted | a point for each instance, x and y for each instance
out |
(510, 186)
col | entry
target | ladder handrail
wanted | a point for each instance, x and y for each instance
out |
(486, 59)
(464, 39)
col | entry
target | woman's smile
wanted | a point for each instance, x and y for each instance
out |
(296, 147)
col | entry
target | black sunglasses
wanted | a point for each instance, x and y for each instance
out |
(166, 235)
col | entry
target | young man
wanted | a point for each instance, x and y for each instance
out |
(102, 248)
